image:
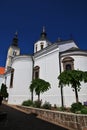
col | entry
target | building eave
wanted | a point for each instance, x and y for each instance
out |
(61, 42)
(21, 57)
(46, 50)
(76, 52)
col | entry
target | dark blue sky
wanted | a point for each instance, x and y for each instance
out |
(61, 18)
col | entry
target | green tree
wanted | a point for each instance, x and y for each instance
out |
(3, 91)
(73, 77)
(39, 86)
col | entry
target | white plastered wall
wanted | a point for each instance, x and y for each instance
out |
(22, 79)
(80, 63)
(49, 70)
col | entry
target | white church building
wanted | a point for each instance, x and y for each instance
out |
(47, 62)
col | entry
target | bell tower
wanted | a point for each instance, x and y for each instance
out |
(13, 51)
(42, 42)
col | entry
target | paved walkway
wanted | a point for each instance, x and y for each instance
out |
(17, 120)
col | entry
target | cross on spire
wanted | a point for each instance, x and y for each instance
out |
(43, 29)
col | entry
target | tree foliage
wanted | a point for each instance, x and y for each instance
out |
(39, 86)
(3, 91)
(73, 77)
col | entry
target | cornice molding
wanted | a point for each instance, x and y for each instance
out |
(22, 57)
(74, 52)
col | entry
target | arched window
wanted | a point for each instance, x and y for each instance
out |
(14, 53)
(68, 67)
(36, 72)
(68, 63)
(12, 76)
(41, 45)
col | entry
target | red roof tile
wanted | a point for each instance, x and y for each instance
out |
(2, 70)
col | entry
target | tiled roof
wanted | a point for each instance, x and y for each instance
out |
(2, 70)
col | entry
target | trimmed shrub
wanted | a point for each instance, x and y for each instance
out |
(61, 109)
(37, 104)
(28, 103)
(84, 110)
(75, 107)
(46, 105)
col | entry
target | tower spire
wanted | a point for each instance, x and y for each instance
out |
(43, 29)
(43, 34)
(15, 39)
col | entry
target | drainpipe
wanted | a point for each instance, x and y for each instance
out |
(32, 75)
(61, 88)
(32, 67)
